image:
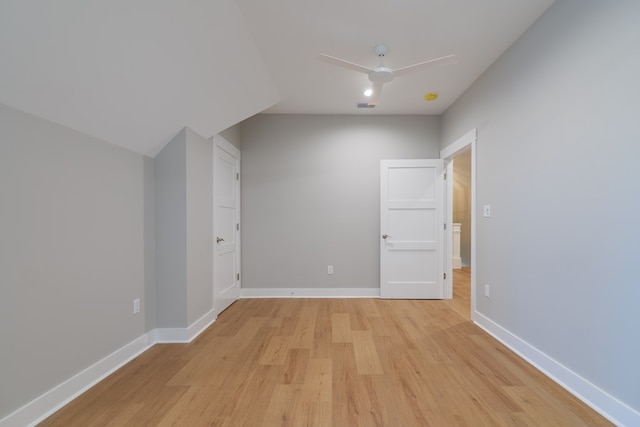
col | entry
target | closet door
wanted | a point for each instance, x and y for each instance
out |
(226, 224)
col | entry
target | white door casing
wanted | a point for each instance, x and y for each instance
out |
(226, 224)
(466, 142)
(411, 229)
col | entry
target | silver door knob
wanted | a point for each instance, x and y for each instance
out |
(219, 239)
(385, 235)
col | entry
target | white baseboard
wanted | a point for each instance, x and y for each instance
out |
(43, 406)
(608, 406)
(310, 293)
(183, 335)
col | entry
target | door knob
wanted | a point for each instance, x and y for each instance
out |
(219, 239)
(385, 235)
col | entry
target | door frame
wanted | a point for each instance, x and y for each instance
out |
(465, 142)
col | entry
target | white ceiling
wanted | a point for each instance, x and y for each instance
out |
(134, 72)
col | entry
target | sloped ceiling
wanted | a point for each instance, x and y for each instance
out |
(135, 72)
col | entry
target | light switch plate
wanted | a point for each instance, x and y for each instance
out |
(486, 211)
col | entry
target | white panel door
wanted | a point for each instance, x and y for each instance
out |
(226, 224)
(411, 229)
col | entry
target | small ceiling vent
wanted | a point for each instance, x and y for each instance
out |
(365, 105)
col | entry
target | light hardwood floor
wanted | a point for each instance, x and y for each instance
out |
(332, 362)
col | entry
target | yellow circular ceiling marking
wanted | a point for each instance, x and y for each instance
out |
(431, 96)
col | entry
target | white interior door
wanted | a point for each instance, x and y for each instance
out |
(411, 229)
(226, 224)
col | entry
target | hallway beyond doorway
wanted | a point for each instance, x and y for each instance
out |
(461, 301)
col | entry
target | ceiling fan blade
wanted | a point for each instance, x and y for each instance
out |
(346, 64)
(410, 68)
(375, 95)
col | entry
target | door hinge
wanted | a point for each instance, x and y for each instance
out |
(445, 175)
(445, 225)
(238, 276)
(237, 227)
(444, 276)
(237, 177)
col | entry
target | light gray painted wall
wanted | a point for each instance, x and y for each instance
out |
(149, 302)
(71, 253)
(310, 195)
(170, 168)
(184, 212)
(199, 226)
(232, 135)
(557, 152)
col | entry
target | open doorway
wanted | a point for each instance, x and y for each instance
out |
(461, 262)
(459, 158)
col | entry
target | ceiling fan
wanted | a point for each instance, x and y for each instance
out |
(381, 74)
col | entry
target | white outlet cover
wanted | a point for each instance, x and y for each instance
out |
(486, 211)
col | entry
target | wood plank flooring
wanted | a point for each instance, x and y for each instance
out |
(332, 362)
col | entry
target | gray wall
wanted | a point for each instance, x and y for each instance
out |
(71, 253)
(183, 223)
(310, 195)
(558, 149)
(232, 135)
(199, 226)
(149, 302)
(170, 167)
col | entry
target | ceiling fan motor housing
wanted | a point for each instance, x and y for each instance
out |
(381, 75)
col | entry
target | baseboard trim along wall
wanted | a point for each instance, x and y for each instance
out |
(310, 292)
(40, 408)
(608, 406)
(43, 406)
(183, 335)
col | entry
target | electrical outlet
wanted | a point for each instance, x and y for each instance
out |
(330, 269)
(486, 291)
(136, 306)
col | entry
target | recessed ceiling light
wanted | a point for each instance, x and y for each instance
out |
(368, 92)
(431, 96)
